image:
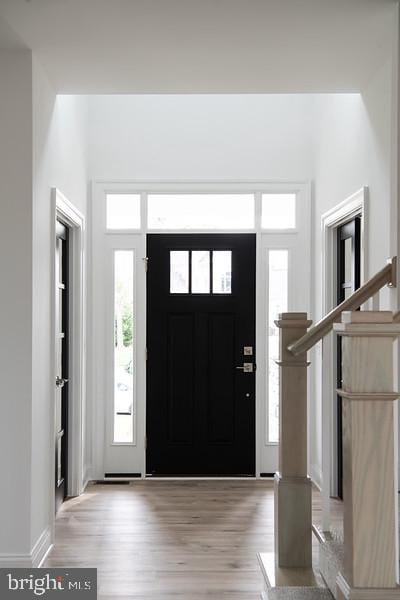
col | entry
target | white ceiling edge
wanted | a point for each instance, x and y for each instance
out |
(96, 47)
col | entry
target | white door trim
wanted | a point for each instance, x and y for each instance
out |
(62, 208)
(356, 204)
(296, 241)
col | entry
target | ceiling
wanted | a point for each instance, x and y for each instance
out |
(202, 46)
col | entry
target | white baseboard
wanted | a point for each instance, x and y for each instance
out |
(88, 476)
(34, 558)
(8, 561)
(316, 484)
(316, 476)
(41, 548)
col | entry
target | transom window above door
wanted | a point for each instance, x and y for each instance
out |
(200, 211)
(123, 211)
(270, 211)
(278, 211)
(200, 271)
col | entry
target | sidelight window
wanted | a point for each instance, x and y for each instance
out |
(277, 303)
(123, 346)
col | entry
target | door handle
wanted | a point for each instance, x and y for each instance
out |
(60, 381)
(247, 367)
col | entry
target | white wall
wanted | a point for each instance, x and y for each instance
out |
(200, 137)
(353, 148)
(15, 299)
(43, 145)
(353, 141)
(59, 160)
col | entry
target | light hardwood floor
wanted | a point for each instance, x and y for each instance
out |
(161, 540)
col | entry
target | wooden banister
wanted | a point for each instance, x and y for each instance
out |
(386, 276)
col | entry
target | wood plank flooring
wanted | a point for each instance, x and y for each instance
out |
(161, 540)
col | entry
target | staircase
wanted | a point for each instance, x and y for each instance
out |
(331, 556)
(360, 561)
(322, 580)
(297, 593)
(291, 582)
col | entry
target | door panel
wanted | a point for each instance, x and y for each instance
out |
(180, 378)
(348, 280)
(221, 390)
(61, 393)
(200, 406)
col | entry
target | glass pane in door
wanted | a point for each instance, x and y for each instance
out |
(222, 272)
(200, 272)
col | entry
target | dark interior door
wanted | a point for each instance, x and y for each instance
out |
(348, 280)
(201, 359)
(61, 395)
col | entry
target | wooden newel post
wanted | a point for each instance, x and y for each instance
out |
(369, 457)
(292, 484)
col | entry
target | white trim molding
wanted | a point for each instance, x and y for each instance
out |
(34, 558)
(356, 204)
(63, 209)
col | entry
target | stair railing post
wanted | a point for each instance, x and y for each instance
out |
(293, 528)
(370, 567)
(327, 406)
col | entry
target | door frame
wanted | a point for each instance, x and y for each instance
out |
(354, 205)
(104, 241)
(64, 210)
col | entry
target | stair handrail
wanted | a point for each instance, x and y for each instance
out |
(386, 276)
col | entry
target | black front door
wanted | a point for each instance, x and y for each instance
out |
(61, 396)
(201, 358)
(348, 280)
